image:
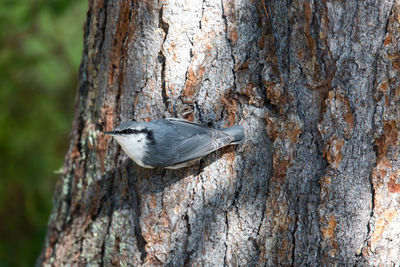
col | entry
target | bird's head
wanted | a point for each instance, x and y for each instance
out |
(131, 133)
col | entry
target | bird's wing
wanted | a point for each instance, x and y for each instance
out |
(200, 145)
(189, 142)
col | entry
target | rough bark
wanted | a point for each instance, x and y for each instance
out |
(316, 85)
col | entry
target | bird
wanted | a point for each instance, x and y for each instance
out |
(172, 143)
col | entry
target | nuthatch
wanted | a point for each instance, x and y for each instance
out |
(172, 143)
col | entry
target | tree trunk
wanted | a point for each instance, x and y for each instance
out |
(316, 85)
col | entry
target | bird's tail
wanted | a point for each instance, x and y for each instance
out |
(237, 132)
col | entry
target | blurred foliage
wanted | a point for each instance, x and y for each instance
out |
(41, 44)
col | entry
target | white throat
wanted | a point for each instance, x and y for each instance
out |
(135, 146)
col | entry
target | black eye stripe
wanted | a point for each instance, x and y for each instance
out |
(132, 131)
(149, 133)
(128, 131)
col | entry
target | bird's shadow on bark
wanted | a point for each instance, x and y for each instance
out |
(156, 180)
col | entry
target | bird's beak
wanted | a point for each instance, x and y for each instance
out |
(112, 133)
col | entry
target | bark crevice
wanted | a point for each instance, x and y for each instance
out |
(226, 238)
(161, 57)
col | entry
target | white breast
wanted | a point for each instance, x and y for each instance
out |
(135, 147)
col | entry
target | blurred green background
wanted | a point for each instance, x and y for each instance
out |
(41, 44)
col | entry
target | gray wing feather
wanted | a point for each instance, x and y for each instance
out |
(189, 142)
(201, 145)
